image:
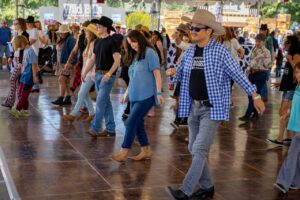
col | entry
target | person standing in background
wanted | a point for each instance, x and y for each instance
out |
(5, 37)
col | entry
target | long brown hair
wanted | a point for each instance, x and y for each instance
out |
(62, 40)
(22, 23)
(143, 43)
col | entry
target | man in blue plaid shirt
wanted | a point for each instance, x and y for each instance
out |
(205, 72)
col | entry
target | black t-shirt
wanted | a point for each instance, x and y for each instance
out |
(287, 82)
(118, 38)
(198, 89)
(104, 49)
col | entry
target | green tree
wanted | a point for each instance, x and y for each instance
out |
(8, 7)
(138, 17)
(114, 3)
(292, 7)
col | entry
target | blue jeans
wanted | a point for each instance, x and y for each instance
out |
(278, 70)
(289, 173)
(264, 91)
(259, 80)
(84, 97)
(103, 105)
(3, 50)
(135, 122)
(201, 134)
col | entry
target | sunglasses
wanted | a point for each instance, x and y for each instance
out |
(16, 24)
(197, 29)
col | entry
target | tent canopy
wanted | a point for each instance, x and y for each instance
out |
(197, 2)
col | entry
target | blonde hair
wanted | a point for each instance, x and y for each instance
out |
(20, 42)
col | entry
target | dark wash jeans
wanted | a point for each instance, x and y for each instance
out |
(135, 122)
(259, 80)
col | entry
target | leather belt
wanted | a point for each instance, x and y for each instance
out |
(199, 103)
(101, 71)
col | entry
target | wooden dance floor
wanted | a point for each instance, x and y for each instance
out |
(51, 159)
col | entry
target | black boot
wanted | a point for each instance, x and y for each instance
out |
(204, 193)
(59, 101)
(67, 101)
(176, 194)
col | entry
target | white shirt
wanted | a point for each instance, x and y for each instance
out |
(233, 45)
(34, 35)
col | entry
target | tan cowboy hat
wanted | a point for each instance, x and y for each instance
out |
(92, 28)
(63, 29)
(206, 18)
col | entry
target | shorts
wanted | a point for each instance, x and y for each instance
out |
(288, 95)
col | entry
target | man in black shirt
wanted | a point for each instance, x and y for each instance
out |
(106, 57)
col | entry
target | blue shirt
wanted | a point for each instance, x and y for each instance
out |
(142, 83)
(5, 35)
(29, 58)
(219, 68)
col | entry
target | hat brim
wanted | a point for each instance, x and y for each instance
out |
(93, 31)
(216, 26)
(109, 27)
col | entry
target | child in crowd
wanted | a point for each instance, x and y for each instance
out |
(289, 175)
(28, 77)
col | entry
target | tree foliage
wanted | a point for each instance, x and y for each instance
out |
(138, 17)
(8, 7)
(292, 7)
(114, 3)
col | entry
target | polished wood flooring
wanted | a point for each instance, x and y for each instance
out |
(51, 159)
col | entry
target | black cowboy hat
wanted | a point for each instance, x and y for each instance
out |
(264, 27)
(107, 22)
(30, 19)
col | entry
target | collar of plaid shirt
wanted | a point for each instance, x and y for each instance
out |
(219, 68)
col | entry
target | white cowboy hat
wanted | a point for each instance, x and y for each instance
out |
(64, 28)
(92, 28)
(206, 18)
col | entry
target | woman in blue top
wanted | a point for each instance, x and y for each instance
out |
(144, 91)
(288, 177)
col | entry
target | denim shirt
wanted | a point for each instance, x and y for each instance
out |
(219, 68)
(67, 49)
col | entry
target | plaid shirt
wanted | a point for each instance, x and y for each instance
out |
(219, 69)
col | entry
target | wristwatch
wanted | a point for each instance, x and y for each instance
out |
(257, 97)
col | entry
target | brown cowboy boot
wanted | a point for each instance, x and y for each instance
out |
(145, 153)
(122, 155)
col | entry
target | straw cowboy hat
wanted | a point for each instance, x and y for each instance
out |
(206, 18)
(63, 29)
(92, 28)
(184, 28)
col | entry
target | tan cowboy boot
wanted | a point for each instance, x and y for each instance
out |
(89, 119)
(69, 118)
(122, 155)
(145, 153)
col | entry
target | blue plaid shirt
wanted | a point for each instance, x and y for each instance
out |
(219, 68)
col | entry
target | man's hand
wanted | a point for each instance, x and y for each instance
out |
(259, 106)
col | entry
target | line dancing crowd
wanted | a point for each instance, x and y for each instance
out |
(202, 60)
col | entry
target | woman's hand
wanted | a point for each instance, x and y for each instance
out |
(123, 99)
(35, 79)
(275, 85)
(171, 72)
(161, 100)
